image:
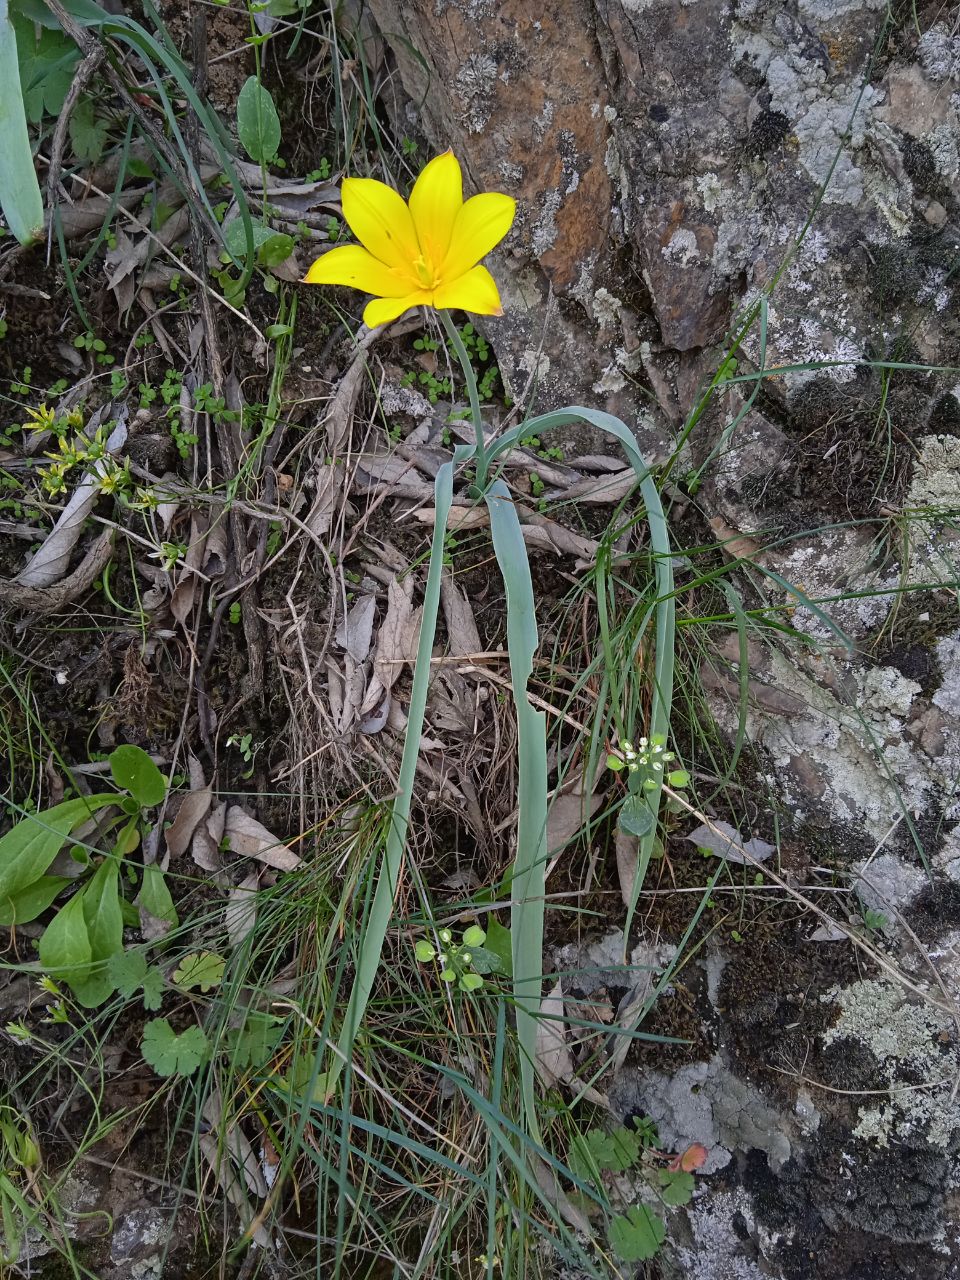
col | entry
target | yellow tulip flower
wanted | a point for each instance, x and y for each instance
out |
(425, 253)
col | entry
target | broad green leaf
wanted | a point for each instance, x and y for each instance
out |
(676, 1186)
(276, 249)
(202, 970)
(133, 770)
(32, 901)
(65, 950)
(153, 988)
(154, 896)
(254, 1044)
(636, 816)
(485, 960)
(101, 910)
(498, 941)
(104, 921)
(20, 197)
(28, 848)
(88, 132)
(171, 1054)
(258, 125)
(610, 1152)
(638, 1234)
(235, 240)
(127, 971)
(48, 60)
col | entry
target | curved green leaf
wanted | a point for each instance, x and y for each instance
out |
(20, 196)
(258, 125)
(28, 848)
(133, 770)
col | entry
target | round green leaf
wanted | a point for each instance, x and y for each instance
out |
(424, 951)
(134, 771)
(474, 936)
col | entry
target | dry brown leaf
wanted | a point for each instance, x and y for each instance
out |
(553, 1060)
(52, 599)
(399, 633)
(329, 480)
(462, 634)
(251, 839)
(628, 853)
(193, 809)
(235, 1166)
(567, 814)
(458, 517)
(550, 1187)
(205, 848)
(551, 536)
(603, 489)
(182, 597)
(734, 544)
(355, 632)
(240, 913)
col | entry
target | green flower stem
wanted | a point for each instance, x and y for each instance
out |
(470, 378)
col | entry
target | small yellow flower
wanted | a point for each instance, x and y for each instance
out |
(41, 419)
(425, 253)
(54, 479)
(114, 478)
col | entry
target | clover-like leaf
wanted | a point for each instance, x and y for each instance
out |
(637, 1234)
(171, 1053)
(676, 1186)
(612, 1152)
(201, 970)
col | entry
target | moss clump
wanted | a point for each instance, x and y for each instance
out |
(921, 168)
(767, 131)
(945, 416)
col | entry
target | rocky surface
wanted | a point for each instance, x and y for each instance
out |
(689, 170)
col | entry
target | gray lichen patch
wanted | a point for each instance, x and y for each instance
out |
(917, 1060)
(887, 884)
(474, 85)
(934, 499)
(856, 746)
(705, 1102)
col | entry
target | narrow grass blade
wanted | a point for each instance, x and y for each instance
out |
(528, 884)
(662, 694)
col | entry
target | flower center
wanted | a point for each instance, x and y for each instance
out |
(426, 272)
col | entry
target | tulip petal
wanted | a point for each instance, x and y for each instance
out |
(355, 267)
(482, 223)
(435, 201)
(383, 310)
(475, 291)
(381, 221)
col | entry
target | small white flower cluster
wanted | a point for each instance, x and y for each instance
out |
(647, 755)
